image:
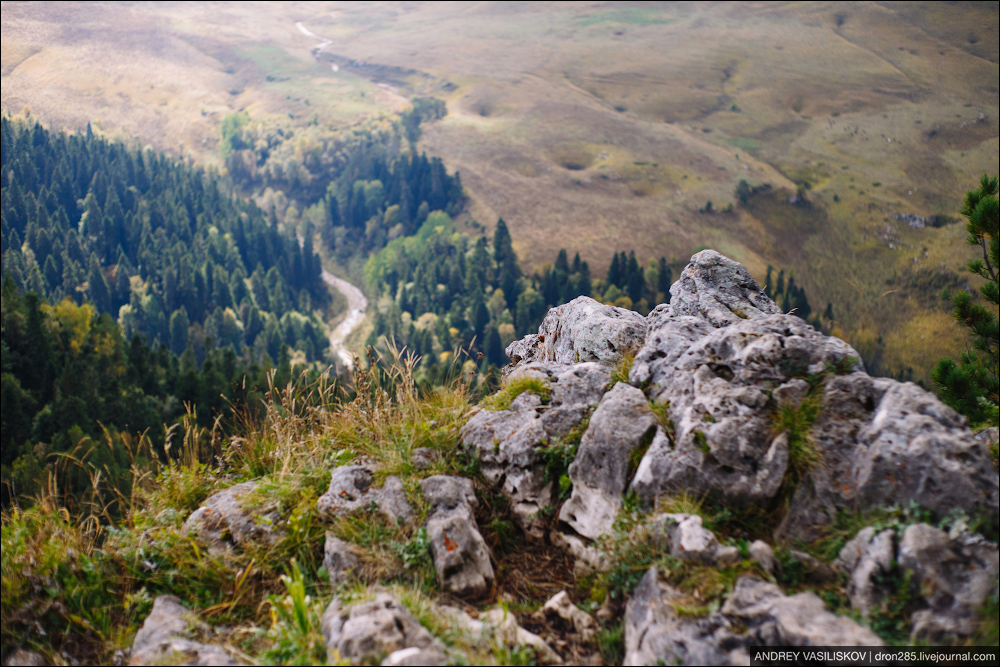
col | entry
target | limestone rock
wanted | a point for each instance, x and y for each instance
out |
(917, 448)
(374, 629)
(763, 554)
(581, 330)
(688, 540)
(340, 559)
(164, 638)
(622, 422)
(423, 458)
(351, 490)
(587, 558)
(461, 557)
(955, 574)
(654, 634)
(507, 441)
(509, 631)
(560, 607)
(774, 619)
(719, 290)
(724, 444)
(24, 658)
(867, 557)
(223, 521)
(416, 656)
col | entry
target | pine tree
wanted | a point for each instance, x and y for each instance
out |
(971, 385)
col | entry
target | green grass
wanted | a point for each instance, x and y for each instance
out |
(503, 398)
(622, 370)
(630, 16)
(797, 422)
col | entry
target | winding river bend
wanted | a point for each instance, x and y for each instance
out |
(357, 305)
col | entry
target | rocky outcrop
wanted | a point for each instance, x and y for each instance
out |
(867, 558)
(687, 540)
(580, 331)
(340, 559)
(351, 490)
(165, 638)
(461, 557)
(223, 521)
(622, 422)
(757, 614)
(507, 441)
(759, 410)
(371, 630)
(947, 577)
(560, 610)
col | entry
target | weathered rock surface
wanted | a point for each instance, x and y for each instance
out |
(351, 489)
(561, 608)
(507, 441)
(416, 656)
(763, 554)
(724, 359)
(713, 287)
(164, 638)
(510, 632)
(688, 540)
(757, 614)
(461, 557)
(951, 576)
(955, 575)
(423, 458)
(917, 448)
(717, 387)
(223, 521)
(655, 634)
(867, 557)
(370, 630)
(775, 619)
(622, 422)
(579, 331)
(24, 658)
(340, 559)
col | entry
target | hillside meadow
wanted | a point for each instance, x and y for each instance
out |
(599, 127)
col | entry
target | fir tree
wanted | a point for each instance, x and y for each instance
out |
(971, 385)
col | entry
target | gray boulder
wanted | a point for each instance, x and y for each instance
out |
(868, 557)
(917, 448)
(717, 388)
(775, 619)
(581, 330)
(371, 630)
(762, 553)
(340, 559)
(507, 441)
(423, 458)
(223, 521)
(164, 638)
(684, 536)
(416, 656)
(461, 557)
(622, 422)
(351, 490)
(655, 634)
(725, 361)
(954, 574)
(717, 289)
(561, 610)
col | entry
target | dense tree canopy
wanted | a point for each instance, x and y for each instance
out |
(156, 243)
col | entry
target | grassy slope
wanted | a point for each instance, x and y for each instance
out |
(597, 127)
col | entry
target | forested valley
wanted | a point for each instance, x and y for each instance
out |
(143, 294)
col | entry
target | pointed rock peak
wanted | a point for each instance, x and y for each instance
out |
(715, 288)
